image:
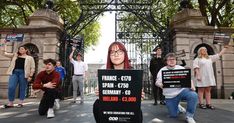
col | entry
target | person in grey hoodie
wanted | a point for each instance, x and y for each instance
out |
(173, 96)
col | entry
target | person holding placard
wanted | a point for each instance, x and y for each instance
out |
(204, 74)
(117, 59)
(173, 96)
(21, 70)
(78, 78)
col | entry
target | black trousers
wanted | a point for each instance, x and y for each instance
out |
(96, 106)
(47, 101)
(157, 91)
(60, 90)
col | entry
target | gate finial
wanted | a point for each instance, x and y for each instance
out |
(49, 4)
(185, 4)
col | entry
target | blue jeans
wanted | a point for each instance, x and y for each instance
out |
(16, 78)
(189, 96)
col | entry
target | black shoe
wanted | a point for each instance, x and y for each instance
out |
(72, 102)
(155, 103)
(8, 106)
(19, 106)
(162, 102)
(202, 106)
(209, 106)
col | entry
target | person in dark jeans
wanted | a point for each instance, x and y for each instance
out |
(156, 63)
(47, 80)
(21, 70)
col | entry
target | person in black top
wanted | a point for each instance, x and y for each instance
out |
(21, 70)
(117, 59)
(156, 63)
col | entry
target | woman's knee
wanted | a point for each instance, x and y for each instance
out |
(207, 90)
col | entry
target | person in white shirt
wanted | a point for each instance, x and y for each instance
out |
(80, 70)
(204, 75)
(173, 96)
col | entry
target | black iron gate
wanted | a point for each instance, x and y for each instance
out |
(140, 35)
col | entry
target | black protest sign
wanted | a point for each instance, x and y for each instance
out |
(180, 53)
(180, 78)
(14, 37)
(120, 95)
(221, 38)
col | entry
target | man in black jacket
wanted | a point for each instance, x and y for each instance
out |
(156, 63)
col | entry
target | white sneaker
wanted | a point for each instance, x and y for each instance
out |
(181, 109)
(56, 103)
(190, 120)
(50, 113)
(156, 120)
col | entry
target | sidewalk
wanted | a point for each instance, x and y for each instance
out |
(82, 113)
(225, 104)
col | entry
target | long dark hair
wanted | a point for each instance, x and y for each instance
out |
(109, 64)
(19, 54)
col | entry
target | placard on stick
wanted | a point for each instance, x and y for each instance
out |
(14, 37)
(180, 53)
(120, 95)
(221, 38)
(180, 78)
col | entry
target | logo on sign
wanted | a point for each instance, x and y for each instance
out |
(113, 118)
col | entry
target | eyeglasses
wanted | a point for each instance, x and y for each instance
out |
(119, 52)
(171, 59)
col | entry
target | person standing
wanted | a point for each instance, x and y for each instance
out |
(156, 63)
(204, 75)
(173, 96)
(80, 71)
(48, 81)
(117, 59)
(21, 70)
(61, 70)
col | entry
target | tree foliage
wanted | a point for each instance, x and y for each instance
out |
(217, 12)
(15, 13)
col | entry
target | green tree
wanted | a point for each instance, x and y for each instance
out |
(217, 12)
(15, 13)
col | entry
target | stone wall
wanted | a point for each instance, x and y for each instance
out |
(43, 32)
(190, 32)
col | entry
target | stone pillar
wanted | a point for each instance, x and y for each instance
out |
(43, 33)
(190, 31)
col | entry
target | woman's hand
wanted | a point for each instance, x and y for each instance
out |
(29, 79)
(193, 88)
(73, 48)
(142, 94)
(96, 91)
